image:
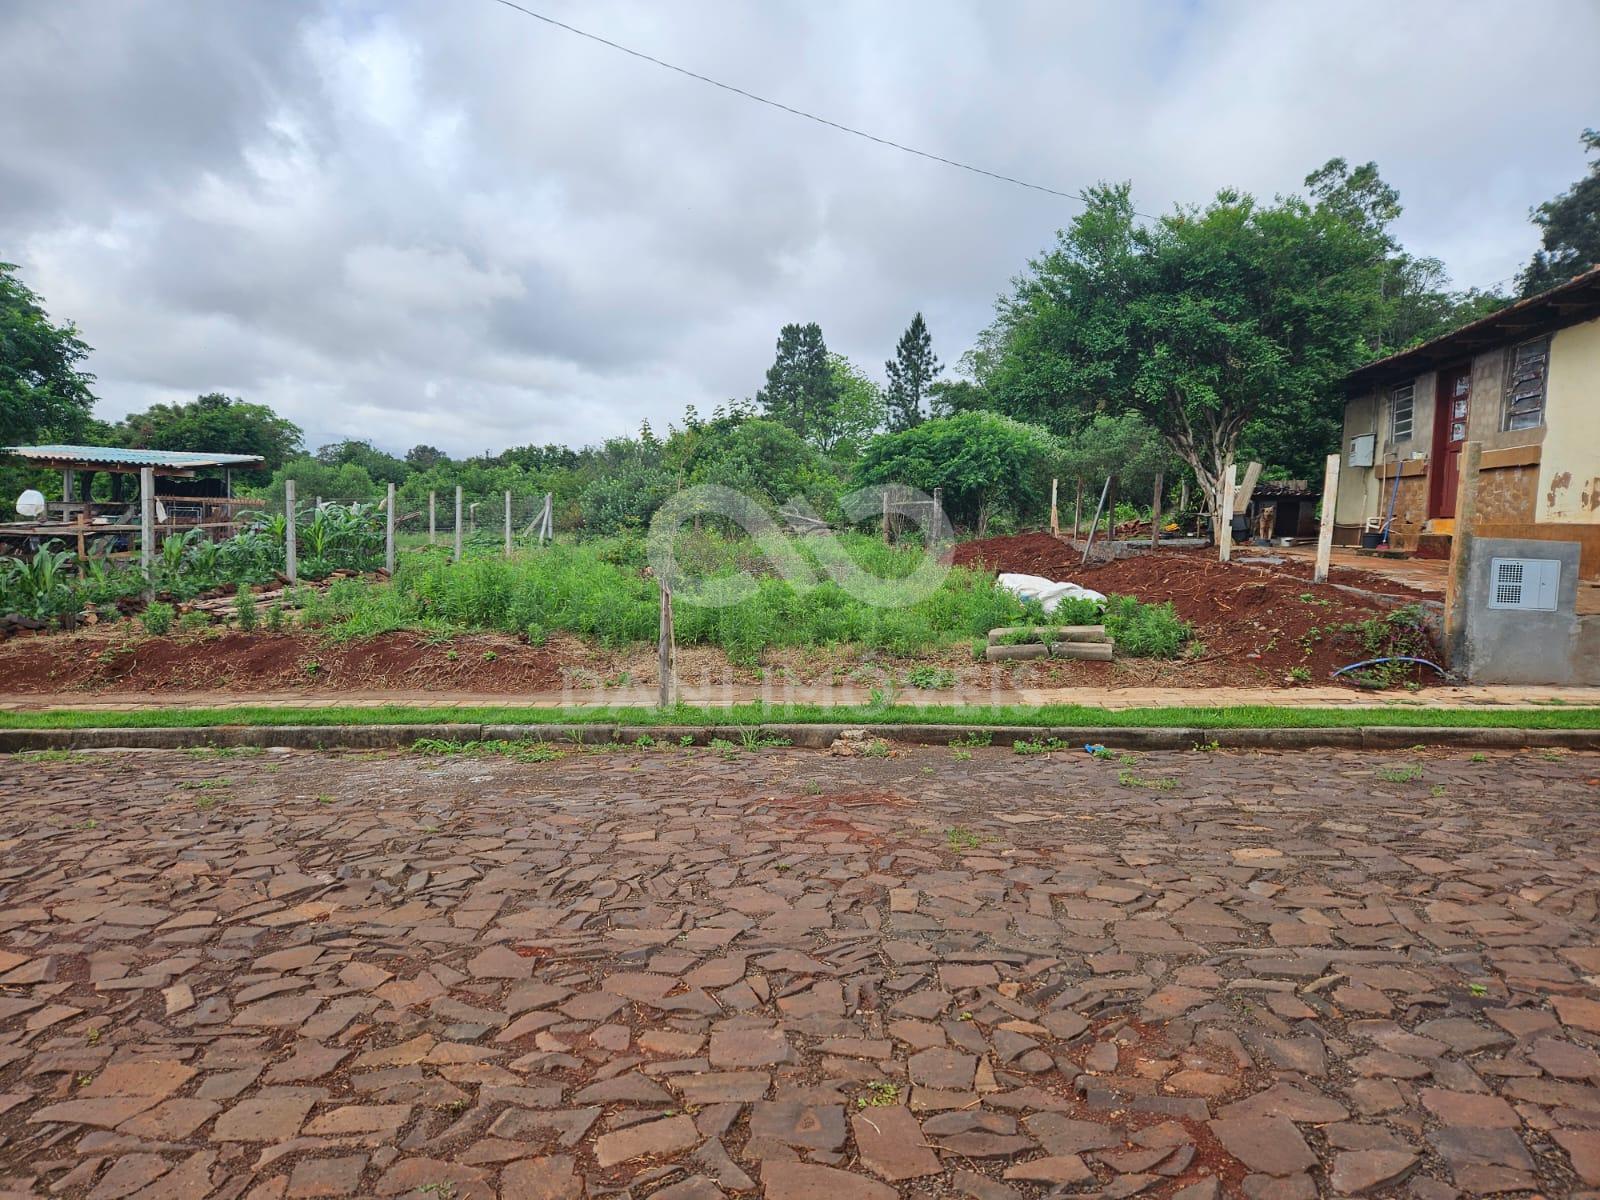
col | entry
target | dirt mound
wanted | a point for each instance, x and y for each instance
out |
(95, 661)
(1267, 616)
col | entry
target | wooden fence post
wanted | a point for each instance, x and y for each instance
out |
(1077, 509)
(666, 654)
(147, 527)
(1155, 516)
(433, 523)
(508, 524)
(388, 534)
(291, 557)
(457, 557)
(1055, 515)
(1230, 483)
(1330, 496)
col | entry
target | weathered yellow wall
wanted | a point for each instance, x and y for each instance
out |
(1569, 472)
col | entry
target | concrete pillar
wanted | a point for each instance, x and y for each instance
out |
(291, 559)
(1230, 485)
(1455, 606)
(458, 524)
(147, 524)
(388, 533)
(1330, 498)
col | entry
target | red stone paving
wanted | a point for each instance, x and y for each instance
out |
(686, 974)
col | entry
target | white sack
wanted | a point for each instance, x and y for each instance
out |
(1047, 592)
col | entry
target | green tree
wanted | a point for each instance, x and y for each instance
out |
(423, 457)
(858, 414)
(801, 391)
(1123, 445)
(947, 397)
(911, 371)
(380, 465)
(1570, 228)
(1210, 323)
(761, 459)
(215, 422)
(43, 394)
(985, 462)
(1415, 300)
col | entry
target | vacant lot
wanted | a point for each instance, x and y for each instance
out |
(704, 972)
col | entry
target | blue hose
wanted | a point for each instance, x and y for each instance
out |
(1371, 662)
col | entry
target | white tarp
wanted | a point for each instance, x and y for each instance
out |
(1047, 592)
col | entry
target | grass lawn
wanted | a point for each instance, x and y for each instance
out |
(1237, 717)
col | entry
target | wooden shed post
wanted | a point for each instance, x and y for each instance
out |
(1330, 496)
(291, 560)
(1155, 516)
(147, 527)
(666, 654)
(457, 557)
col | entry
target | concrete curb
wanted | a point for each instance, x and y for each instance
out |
(811, 737)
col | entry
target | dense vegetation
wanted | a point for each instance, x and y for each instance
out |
(1177, 346)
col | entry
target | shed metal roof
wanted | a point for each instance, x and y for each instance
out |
(116, 456)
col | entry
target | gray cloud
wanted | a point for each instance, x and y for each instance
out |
(450, 223)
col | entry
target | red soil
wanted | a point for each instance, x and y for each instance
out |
(95, 661)
(1271, 616)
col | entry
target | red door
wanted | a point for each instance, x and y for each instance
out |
(1450, 409)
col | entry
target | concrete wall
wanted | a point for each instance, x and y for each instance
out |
(1569, 473)
(1513, 646)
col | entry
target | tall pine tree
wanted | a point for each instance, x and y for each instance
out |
(801, 390)
(911, 371)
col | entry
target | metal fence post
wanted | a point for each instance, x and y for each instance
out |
(291, 560)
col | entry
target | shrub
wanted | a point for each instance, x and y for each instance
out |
(157, 618)
(1146, 630)
(244, 607)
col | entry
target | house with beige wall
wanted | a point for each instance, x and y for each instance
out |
(1524, 383)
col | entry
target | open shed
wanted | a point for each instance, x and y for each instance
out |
(186, 490)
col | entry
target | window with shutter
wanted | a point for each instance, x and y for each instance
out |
(1401, 410)
(1525, 384)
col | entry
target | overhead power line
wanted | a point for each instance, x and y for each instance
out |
(796, 112)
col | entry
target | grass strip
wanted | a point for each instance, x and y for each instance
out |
(1234, 717)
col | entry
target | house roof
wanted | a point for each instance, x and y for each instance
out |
(1576, 300)
(164, 461)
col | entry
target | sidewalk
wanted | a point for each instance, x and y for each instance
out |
(645, 697)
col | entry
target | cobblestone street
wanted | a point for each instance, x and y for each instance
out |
(693, 973)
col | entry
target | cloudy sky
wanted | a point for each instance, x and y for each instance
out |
(442, 221)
